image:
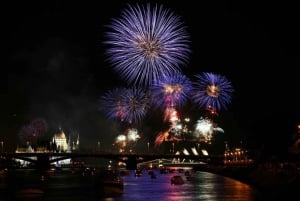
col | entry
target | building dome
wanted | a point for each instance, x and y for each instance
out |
(60, 135)
(61, 141)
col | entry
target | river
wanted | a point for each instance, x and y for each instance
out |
(65, 186)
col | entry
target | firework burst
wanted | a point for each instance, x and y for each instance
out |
(146, 42)
(28, 135)
(135, 104)
(212, 91)
(125, 104)
(205, 128)
(31, 133)
(126, 142)
(40, 126)
(171, 91)
(111, 103)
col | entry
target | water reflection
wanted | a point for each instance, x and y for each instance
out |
(57, 186)
(215, 187)
(203, 186)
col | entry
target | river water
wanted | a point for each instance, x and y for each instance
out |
(67, 186)
(202, 186)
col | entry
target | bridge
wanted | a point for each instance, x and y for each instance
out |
(43, 160)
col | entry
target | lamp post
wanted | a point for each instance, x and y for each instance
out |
(98, 145)
(226, 146)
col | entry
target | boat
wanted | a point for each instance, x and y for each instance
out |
(138, 173)
(177, 180)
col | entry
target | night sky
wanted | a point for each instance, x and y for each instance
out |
(54, 67)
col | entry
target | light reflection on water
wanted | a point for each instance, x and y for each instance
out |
(203, 186)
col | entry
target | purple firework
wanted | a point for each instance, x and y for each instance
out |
(171, 91)
(40, 126)
(28, 135)
(135, 104)
(125, 104)
(111, 103)
(146, 42)
(212, 91)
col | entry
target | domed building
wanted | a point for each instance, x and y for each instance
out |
(64, 145)
(58, 143)
(61, 141)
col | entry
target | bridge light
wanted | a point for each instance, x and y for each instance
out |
(98, 144)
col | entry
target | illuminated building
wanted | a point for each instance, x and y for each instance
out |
(61, 141)
(58, 143)
(62, 144)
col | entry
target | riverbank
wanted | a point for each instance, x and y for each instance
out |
(273, 181)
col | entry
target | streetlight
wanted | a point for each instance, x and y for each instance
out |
(99, 145)
(226, 146)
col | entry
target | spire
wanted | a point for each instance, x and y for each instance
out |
(77, 142)
(69, 146)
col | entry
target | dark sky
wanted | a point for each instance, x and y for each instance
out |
(53, 65)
